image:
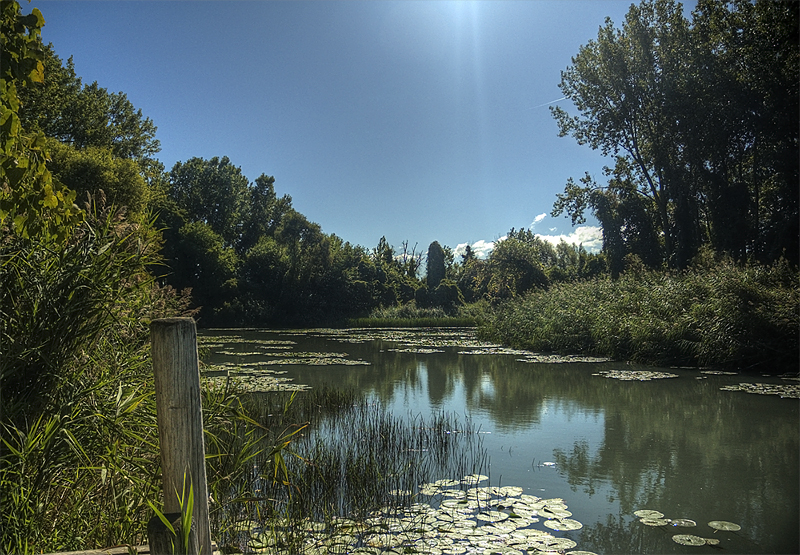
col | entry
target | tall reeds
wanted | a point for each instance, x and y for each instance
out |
(353, 460)
(714, 315)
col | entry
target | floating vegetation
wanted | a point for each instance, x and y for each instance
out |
(225, 340)
(494, 351)
(688, 539)
(434, 527)
(319, 361)
(654, 521)
(411, 338)
(719, 373)
(784, 391)
(416, 351)
(538, 358)
(724, 526)
(646, 513)
(248, 382)
(635, 375)
(655, 518)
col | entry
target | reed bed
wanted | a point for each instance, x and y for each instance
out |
(725, 315)
(352, 460)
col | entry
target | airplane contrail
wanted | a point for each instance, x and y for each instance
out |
(547, 103)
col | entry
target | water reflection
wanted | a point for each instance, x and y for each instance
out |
(680, 446)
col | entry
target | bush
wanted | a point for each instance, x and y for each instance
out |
(725, 315)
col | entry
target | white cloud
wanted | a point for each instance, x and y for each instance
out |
(481, 248)
(591, 237)
(536, 220)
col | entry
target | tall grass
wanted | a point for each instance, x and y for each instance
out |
(78, 434)
(410, 316)
(78, 416)
(353, 460)
(722, 315)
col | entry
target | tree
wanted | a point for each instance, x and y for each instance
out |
(264, 211)
(94, 169)
(436, 266)
(701, 120)
(200, 260)
(86, 116)
(33, 202)
(625, 85)
(213, 192)
(516, 264)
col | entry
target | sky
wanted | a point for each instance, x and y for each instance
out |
(418, 121)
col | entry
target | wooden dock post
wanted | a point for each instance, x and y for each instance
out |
(180, 421)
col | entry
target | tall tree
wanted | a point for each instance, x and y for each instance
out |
(213, 192)
(624, 85)
(436, 265)
(61, 106)
(701, 119)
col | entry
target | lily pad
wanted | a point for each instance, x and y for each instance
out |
(683, 522)
(647, 513)
(654, 521)
(635, 375)
(564, 524)
(492, 516)
(688, 539)
(724, 526)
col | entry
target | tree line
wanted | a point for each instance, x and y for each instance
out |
(237, 247)
(699, 116)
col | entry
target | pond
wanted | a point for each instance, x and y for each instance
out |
(607, 438)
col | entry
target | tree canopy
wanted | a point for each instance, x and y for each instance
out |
(700, 117)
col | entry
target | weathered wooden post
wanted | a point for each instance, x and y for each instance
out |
(180, 421)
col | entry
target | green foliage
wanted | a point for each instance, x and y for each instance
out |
(56, 301)
(724, 315)
(35, 204)
(213, 192)
(82, 116)
(701, 119)
(95, 169)
(436, 270)
(250, 258)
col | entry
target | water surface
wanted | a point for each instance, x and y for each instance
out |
(608, 447)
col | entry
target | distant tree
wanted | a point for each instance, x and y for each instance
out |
(263, 212)
(436, 265)
(213, 192)
(199, 259)
(515, 266)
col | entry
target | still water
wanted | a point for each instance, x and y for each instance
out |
(608, 447)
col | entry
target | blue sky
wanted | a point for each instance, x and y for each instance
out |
(413, 120)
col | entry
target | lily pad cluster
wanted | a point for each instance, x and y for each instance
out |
(416, 350)
(784, 391)
(635, 375)
(655, 518)
(458, 516)
(534, 358)
(253, 382)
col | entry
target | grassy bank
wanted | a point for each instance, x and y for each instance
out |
(410, 316)
(715, 315)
